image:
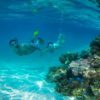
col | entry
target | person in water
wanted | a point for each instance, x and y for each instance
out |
(35, 45)
(51, 47)
(26, 48)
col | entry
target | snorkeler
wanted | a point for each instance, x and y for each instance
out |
(51, 47)
(35, 45)
(26, 48)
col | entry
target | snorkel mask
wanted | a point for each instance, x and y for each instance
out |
(13, 43)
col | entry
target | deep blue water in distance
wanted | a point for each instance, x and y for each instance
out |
(23, 78)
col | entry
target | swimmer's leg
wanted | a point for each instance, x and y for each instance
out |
(60, 39)
(59, 42)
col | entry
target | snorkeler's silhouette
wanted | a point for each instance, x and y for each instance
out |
(28, 48)
(24, 49)
(51, 47)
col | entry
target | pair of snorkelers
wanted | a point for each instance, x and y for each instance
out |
(35, 45)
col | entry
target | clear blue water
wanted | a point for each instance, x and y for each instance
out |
(23, 78)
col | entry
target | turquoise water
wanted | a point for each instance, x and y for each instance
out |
(23, 77)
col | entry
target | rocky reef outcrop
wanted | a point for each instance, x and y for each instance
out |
(79, 73)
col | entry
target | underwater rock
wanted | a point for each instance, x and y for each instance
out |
(95, 46)
(68, 57)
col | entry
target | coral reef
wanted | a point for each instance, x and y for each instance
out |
(84, 54)
(95, 46)
(79, 74)
(68, 57)
(55, 73)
